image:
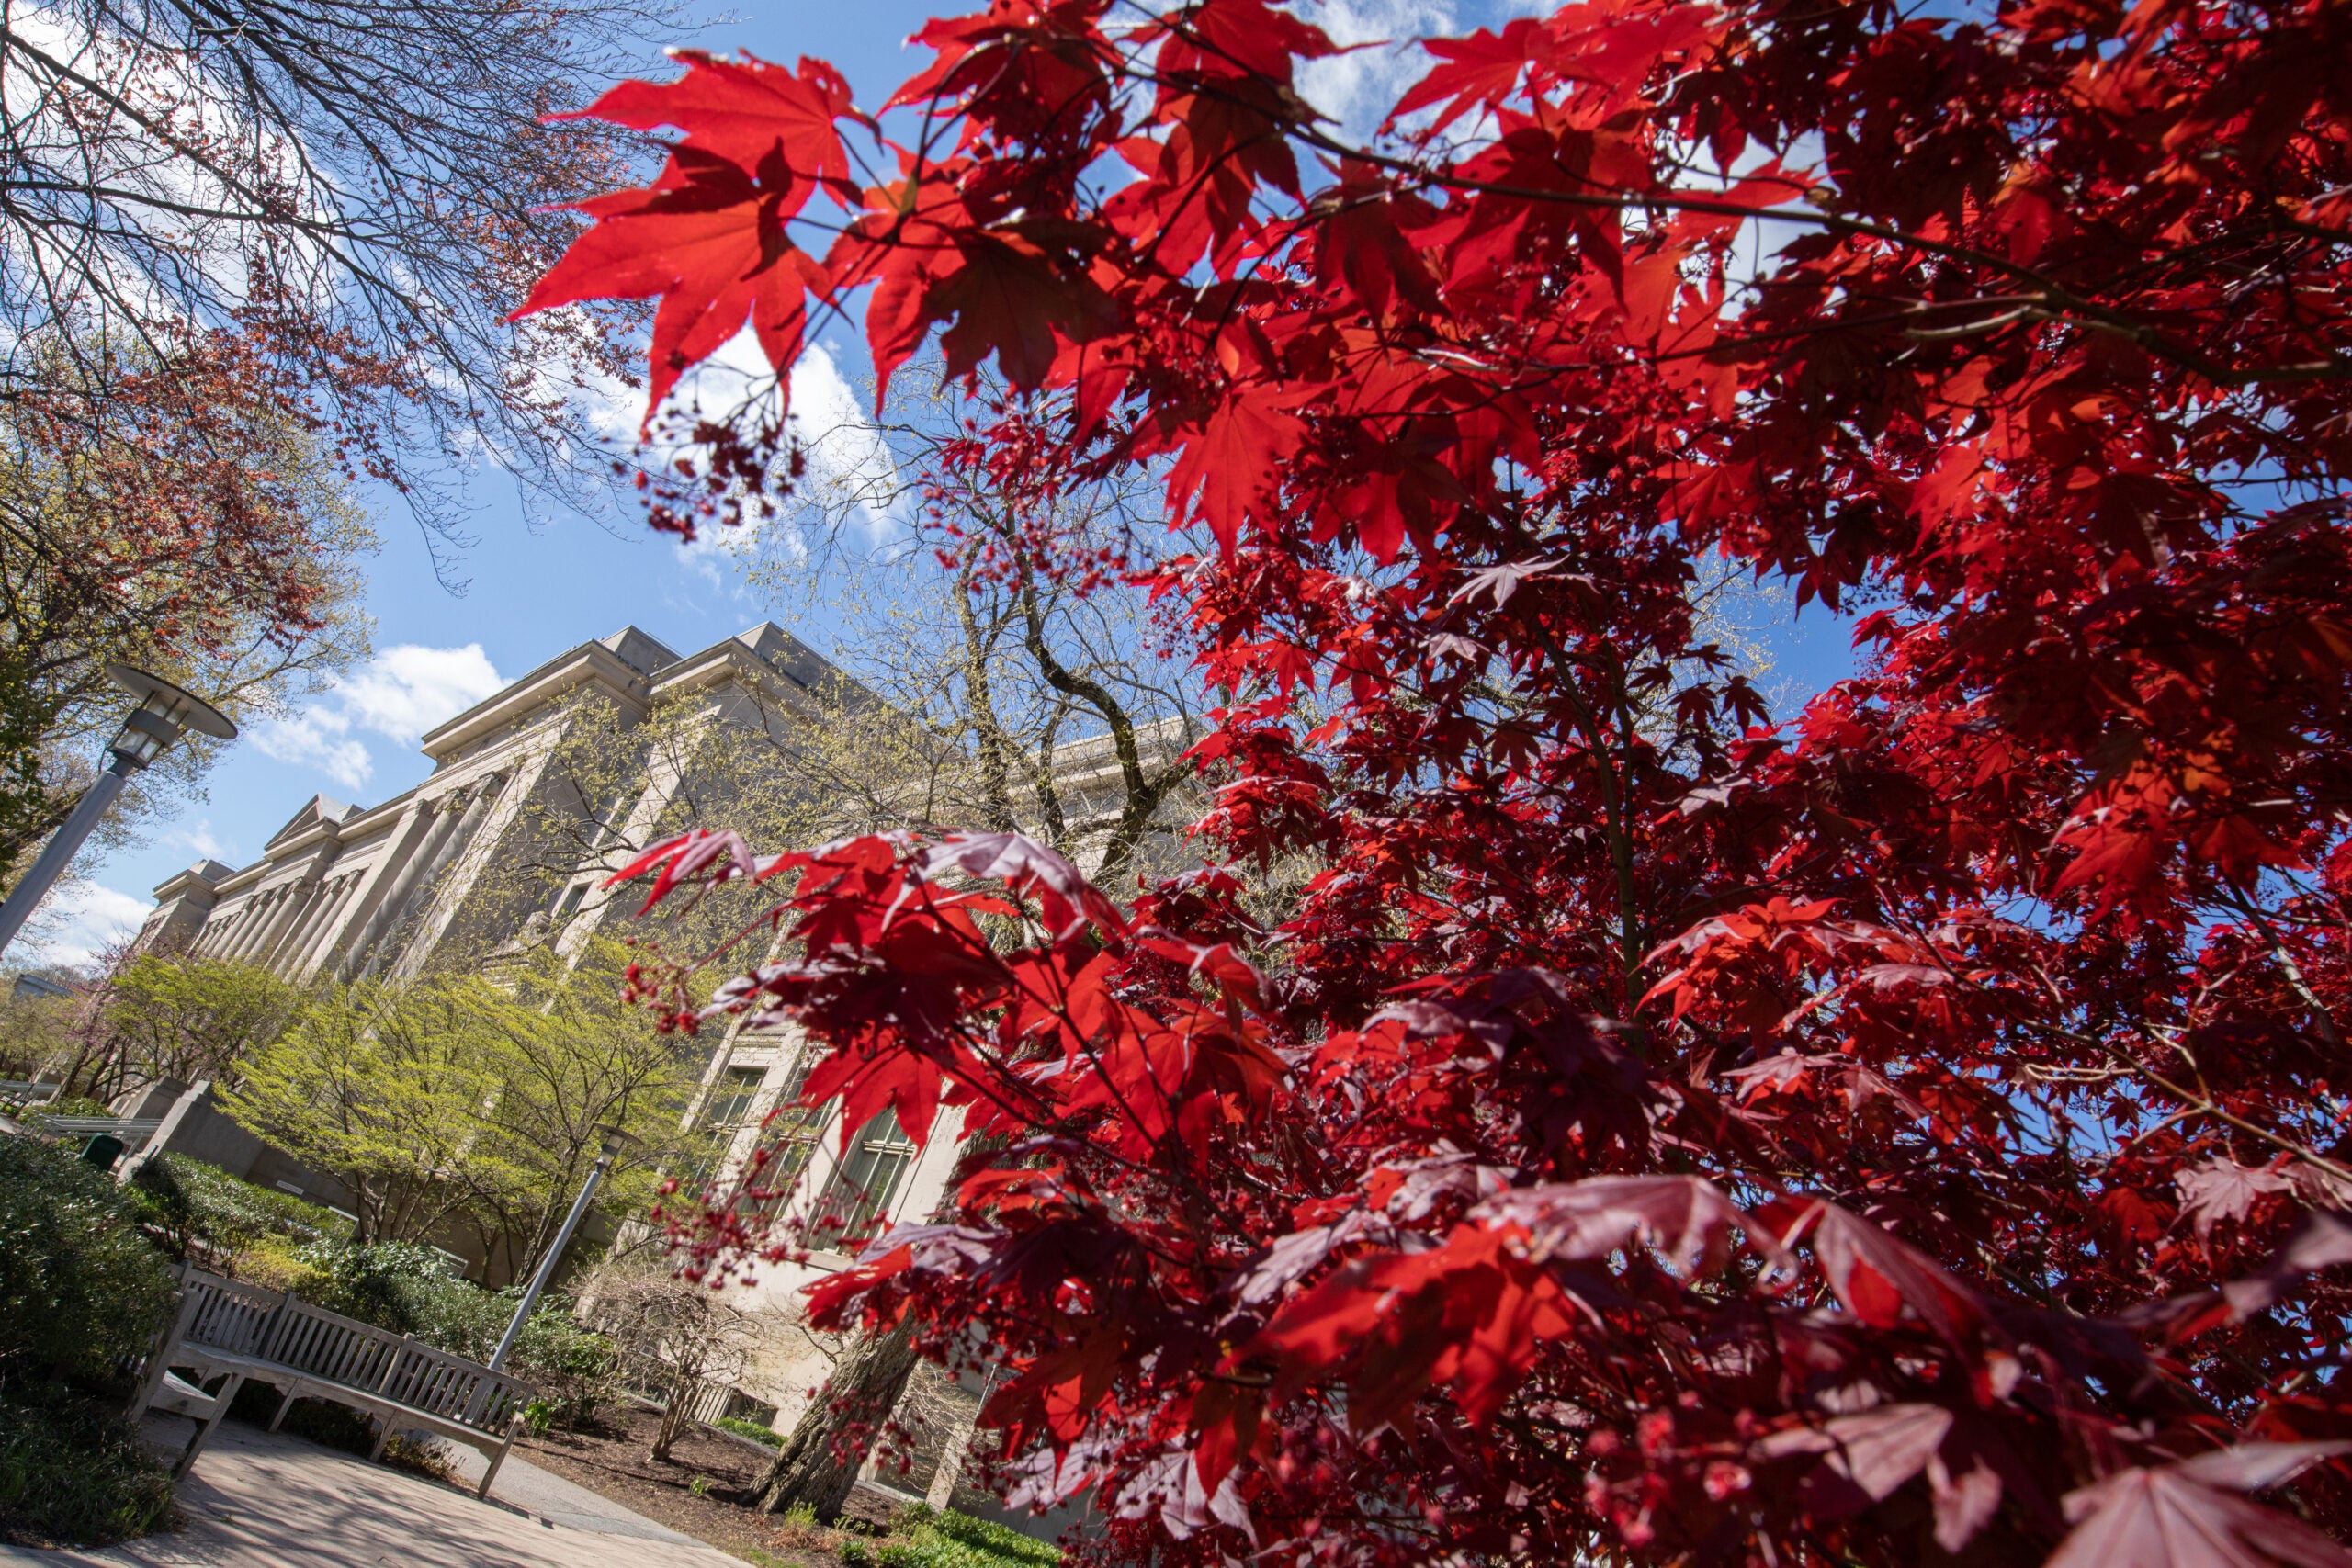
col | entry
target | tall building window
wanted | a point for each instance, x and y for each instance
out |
(616, 816)
(865, 1182)
(730, 1096)
(570, 904)
(789, 1142)
(722, 1117)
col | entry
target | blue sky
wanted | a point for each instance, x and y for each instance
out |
(532, 592)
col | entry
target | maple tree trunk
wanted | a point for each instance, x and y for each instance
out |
(815, 1466)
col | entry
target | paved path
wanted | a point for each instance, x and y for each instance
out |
(267, 1500)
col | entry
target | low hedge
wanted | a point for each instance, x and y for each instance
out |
(927, 1538)
(195, 1209)
(82, 1294)
(81, 1291)
(71, 1470)
(750, 1429)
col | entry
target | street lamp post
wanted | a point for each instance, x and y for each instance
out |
(614, 1139)
(164, 713)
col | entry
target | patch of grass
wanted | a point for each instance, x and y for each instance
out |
(924, 1538)
(72, 1472)
(750, 1429)
(759, 1559)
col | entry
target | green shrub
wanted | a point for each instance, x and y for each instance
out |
(408, 1288)
(855, 1553)
(750, 1429)
(391, 1284)
(1002, 1539)
(945, 1538)
(71, 1105)
(81, 1291)
(71, 1470)
(196, 1207)
(271, 1264)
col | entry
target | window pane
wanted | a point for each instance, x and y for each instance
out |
(863, 1184)
(791, 1141)
(732, 1097)
(722, 1115)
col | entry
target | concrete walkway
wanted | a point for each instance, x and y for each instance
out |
(266, 1500)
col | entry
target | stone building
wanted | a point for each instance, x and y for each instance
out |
(390, 891)
(378, 892)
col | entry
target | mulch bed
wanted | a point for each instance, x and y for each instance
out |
(614, 1459)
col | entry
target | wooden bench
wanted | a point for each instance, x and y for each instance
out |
(228, 1328)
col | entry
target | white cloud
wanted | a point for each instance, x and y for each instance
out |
(850, 471)
(78, 922)
(846, 449)
(199, 837)
(1383, 56)
(401, 694)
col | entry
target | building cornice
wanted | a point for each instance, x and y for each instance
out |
(720, 662)
(590, 662)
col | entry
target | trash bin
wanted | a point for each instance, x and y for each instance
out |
(102, 1150)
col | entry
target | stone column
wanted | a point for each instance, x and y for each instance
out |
(240, 926)
(292, 907)
(295, 955)
(256, 938)
(434, 859)
(396, 897)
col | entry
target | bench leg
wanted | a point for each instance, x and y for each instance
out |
(293, 1392)
(159, 1357)
(204, 1428)
(383, 1436)
(498, 1458)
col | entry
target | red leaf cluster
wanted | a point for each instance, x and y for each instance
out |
(1911, 1129)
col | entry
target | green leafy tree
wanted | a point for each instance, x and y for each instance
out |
(36, 1029)
(384, 1090)
(571, 1060)
(182, 1018)
(472, 1101)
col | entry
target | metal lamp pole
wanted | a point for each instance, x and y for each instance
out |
(164, 713)
(614, 1139)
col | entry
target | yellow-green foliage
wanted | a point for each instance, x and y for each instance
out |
(276, 1265)
(187, 1018)
(921, 1538)
(478, 1097)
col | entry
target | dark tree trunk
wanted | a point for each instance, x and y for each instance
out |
(819, 1463)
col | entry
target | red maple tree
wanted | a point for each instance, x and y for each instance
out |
(1913, 1130)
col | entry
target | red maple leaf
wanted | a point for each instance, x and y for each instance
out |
(710, 240)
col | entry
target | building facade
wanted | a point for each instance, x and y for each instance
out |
(390, 891)
(351, 892)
